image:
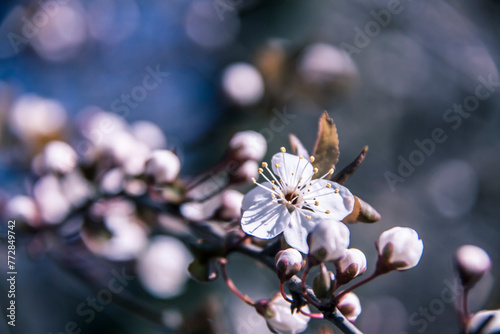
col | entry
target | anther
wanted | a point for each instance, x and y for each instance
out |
(316, 203)
(282, 149)
(315, 170)
(311, 158)
(331, 171)
(308, 217)
(264, 164)
(273, 195)
(327, 212)
(337, 190)
(254, 180)
(278, 165)
(260, 170)
(301, 156)
(328, 185)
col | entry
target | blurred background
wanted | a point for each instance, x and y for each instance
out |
(417, 81)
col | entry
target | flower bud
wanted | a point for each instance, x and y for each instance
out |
(350, 306)
(243, 84)
(281, 320)
(322, 284)
(52, 203)
(231, 204)
(485, 322)
(162, 267)
(23, 209)
(163, 166)
(399, 249)
(248, 145)
(150, 134)
(472, 263)
(246, 172)
(59, 157)
(328, 241)
(288, 263)
(353, 264)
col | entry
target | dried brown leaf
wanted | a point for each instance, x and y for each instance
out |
(326, 150)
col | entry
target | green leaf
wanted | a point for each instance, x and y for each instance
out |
(326, 151)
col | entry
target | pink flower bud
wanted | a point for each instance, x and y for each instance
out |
(163, 166)
(350, 306)
(59, 157)
(231, 204)
(352, 264)
(400, 248)
(243, 84)
(248, 145)
(288, 263)
(485, 322)
(472, 263)
(328, 241)
(280, 318)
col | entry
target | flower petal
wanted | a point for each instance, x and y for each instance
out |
(298, 228)
(289, 164)
(265, 220)
(257, 195)
(340, 204)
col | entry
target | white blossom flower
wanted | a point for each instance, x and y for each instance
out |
(162, 268)
(350, 306)
(328, 241)
(292, 202)
(279, 317)
(51, 199)
(472, 263)
(400, 247)
(243, 84)
(477, 321)
(22, 208)
(353, 263)
(288, 263)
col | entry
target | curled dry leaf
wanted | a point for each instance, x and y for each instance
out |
(362, 213)
(326, 150)
(344, 175)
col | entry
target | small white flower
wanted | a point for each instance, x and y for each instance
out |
(400, 247)
(472, 263)
(162, 268)
(150, 134)
(350, 306)
(279, 317)
(328, 241)
(59, 157)
(292, 202)
(248, 145)
(477, 321)
(288, 263)
(163, 166)
(353, 263)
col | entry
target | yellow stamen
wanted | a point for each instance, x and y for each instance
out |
(315, 170)
(282, 149)
(273, 182)
(260, 170)
(327, 212)
(337, 190)
(316, 203)
(273, 196)
(264, 164)
(278, 165)
(254, 180)
(311, 158)
(301, 156)
(308, 217)
(328, 185)
(331, 171)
